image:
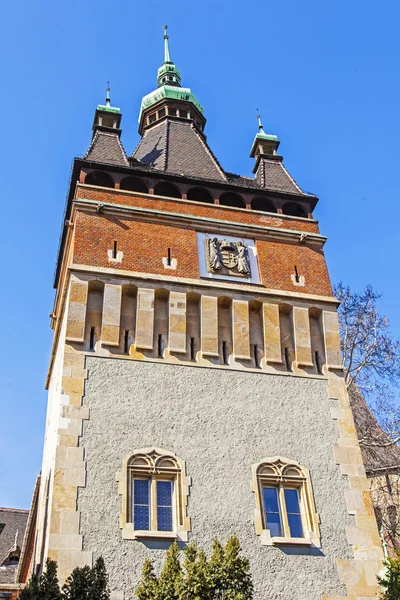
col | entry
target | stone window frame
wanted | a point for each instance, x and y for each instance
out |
(284, 473)
(148, 463)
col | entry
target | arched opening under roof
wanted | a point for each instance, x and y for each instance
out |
(230, 199)
(133, 184)
(263, 204)
(293, 209)
(167, 189)
(200, 195)
(99, 178)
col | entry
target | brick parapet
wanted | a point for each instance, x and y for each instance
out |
(191, 207)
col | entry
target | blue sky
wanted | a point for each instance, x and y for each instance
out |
(324, 75)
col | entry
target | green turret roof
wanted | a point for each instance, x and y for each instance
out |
(169, 84)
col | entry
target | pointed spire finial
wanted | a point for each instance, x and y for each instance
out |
(167, 57)
(260, 126)
(108, 101)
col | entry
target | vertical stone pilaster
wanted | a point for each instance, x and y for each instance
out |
(358, 574)
(77, 310)
(333, 355)
(209, 326)
(177, 322)
(110, 323)
(302, 337)
(272, 333)
(144, 319)
(241, 329)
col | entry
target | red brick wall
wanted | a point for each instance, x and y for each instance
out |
(206, 210)
(145, 244)
(278, 259)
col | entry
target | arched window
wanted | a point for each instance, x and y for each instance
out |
(133, 184)
(285, 509)
(154, 490)
(199, 195)
(293, 209)
(99, 178)
(167, 189)
(234, 200)
(263, 204)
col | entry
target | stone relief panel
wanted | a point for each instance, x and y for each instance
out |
(226, 257)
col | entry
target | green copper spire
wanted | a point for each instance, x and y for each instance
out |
(108, 101)
(167, 57)
(261, 133)
(107, 106)
(168, 74)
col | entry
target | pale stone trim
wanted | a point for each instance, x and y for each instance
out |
(228, 287)
(172, 266)
(65, 543)
(310, 519)
(111, 317)
(181, 493)
(145, 318)
(300, 283)
(241, 329)
(358, 574)
(330, 323)
(302, 337)
(117, 259)
(209, 326)
(272, 333)
(77, 310)
(177, 322)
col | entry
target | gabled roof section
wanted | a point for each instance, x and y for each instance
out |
(177, 147)
(106, 148)
(380, 456)
(272, 175)
(11, 539)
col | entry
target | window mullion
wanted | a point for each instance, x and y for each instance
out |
(284, 517)
(153, 504)
(304, 512)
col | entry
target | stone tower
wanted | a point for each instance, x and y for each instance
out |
(195, 384)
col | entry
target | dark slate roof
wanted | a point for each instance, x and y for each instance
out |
(177, 147)
(273, 175)
(106, 147)
(14, 520)
(378, 459)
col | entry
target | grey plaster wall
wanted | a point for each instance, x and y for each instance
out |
(220, 422)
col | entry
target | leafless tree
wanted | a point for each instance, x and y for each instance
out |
(371, 357)
(372, 373)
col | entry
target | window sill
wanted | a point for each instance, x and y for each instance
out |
(150, 535)
(290, 541)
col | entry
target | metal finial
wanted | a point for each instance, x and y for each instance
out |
(108, 101)
(259, 120)
(167, 57)
(260, 126)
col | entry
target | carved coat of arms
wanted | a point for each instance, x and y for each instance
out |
(227, 258)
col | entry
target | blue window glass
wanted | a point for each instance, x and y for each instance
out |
(164, 505)
(272, 513)
(293, 513)
(141, 504)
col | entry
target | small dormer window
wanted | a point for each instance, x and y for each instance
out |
(152, 118)
(164, 79)
(170, 78)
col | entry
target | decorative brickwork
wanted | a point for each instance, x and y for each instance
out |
(145, 244)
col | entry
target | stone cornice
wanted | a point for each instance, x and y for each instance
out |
(204, 224)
